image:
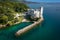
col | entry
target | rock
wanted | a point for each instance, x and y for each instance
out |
(0, 26)
(24, 20)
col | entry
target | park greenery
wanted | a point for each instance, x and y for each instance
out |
(8, 9)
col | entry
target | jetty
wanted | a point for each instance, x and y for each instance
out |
(27, 28)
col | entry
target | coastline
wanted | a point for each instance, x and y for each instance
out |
(27, 28)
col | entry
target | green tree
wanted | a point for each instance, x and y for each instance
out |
(3, 19)
(8, 9)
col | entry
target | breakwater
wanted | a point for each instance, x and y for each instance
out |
(27, 28)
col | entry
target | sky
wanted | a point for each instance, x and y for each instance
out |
(44, 0)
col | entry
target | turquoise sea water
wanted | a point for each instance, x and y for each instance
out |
(49, 29)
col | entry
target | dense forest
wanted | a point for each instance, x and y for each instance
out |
(8, 9)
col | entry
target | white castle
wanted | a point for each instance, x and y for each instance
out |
(35, 13)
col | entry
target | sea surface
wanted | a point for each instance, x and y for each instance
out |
(49, 29)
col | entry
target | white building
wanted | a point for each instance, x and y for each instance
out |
(35, 13)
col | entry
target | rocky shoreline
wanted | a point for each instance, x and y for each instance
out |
(5, 25)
